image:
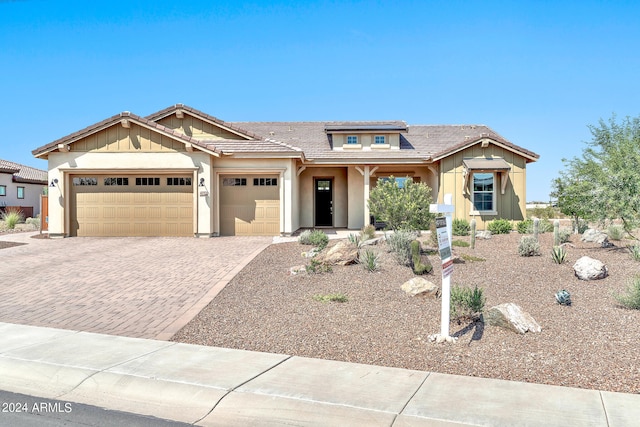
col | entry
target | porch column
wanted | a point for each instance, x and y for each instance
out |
(366, 194)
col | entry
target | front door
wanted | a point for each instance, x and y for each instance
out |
(324, 202)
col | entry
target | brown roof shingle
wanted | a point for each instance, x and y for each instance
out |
(22, 173)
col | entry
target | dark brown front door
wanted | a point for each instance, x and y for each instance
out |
(324, 202)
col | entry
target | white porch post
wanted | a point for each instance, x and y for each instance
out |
(367, 179)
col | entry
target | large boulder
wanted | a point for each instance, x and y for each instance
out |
(483, 234)
(595, 236)
(587, 268)
(421, 287)
(342, 253)
(512, 317)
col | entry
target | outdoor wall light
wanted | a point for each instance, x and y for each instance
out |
(54, 182)
(201, 182)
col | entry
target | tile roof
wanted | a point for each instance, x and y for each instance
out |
(113, 120)
(22, 173)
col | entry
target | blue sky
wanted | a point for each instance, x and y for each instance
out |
(537, 72)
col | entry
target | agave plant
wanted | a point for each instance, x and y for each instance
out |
(558, 254)
(563, 297)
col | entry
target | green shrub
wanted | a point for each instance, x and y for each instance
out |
(635, 251)
(418, 265)
(615, 232)
(305, 237)
(466, 303)
(581, 226)
(317, 267)
(499, 226)
(460, 227)
(558, 254)
(525, 227)
(368, 232)
(405, 208)
(337, 297)
(11, 218)
(529, 246)
(546, 226)
(631, 297)
(369, 260)
(400, 244)
(565, 235)
(460, 243)
(314, 237)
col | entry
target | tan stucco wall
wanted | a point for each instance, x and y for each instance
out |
(283, 167)
(32, 193)
(340, 194)
(63, 164)
(510, 205)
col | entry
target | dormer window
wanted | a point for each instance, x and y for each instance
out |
(352, 139)
(380, 139)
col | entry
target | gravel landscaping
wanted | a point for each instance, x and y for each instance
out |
(594, 343)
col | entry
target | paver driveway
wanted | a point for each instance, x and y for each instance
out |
(136, 287)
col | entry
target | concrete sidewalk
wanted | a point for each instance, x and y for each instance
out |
(212, 386)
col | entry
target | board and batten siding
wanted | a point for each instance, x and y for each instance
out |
(132, 139)
(511, 205)
(197, 128)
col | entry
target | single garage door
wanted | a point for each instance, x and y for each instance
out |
(131, 205)
(249, 205)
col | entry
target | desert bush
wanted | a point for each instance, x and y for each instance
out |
(581, 226)
(564, 235)
(400, 244)
(305, 237)
(615, 232)
(369, 260)
(631, 297)
(405, 208)
(525, 227)
(529, 246)
(337, 297)
(558, 254)
(466, 303)
(546, 226)
(419, 267)
(460, 227)
(500, 226)
(634, 250)
(368, 232)
(11, 218)
(317, 267)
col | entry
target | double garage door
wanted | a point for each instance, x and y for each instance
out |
(131, 205)
(249, 205)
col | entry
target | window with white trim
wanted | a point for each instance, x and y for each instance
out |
(380, 139)
(352, 139)
(483, 191)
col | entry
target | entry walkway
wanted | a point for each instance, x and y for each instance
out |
(210, 386)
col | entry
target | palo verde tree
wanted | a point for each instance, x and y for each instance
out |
(604, 184)
(403, 207)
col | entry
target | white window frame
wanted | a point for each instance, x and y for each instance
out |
(491, 211)
(383, 139)
(354, 138)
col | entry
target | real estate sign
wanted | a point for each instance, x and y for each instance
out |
(444, 246)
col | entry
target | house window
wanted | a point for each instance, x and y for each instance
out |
(401, 181)
(380, 139)
(20, 192)
(352, 139)
(483, 184)
(178, 181)
(229, 182)
(147, 181)
(265, 182)
(116, 181)
(3, 190)
(85, 181)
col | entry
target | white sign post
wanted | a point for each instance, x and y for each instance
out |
(444, 233)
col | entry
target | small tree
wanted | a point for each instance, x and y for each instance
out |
(405, 208)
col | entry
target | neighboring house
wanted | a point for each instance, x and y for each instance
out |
(21, 187)
(181, 172)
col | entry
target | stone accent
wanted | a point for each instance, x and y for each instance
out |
(421, 287)
(595, 236)
(373, 241)
(587, 268)
(486, 234)
(342, 253)
(512, 317)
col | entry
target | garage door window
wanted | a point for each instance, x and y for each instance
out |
(147, 181)
(116, 181)
(227, 182)
(85, 181)
(272, 182)
(178, 181)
